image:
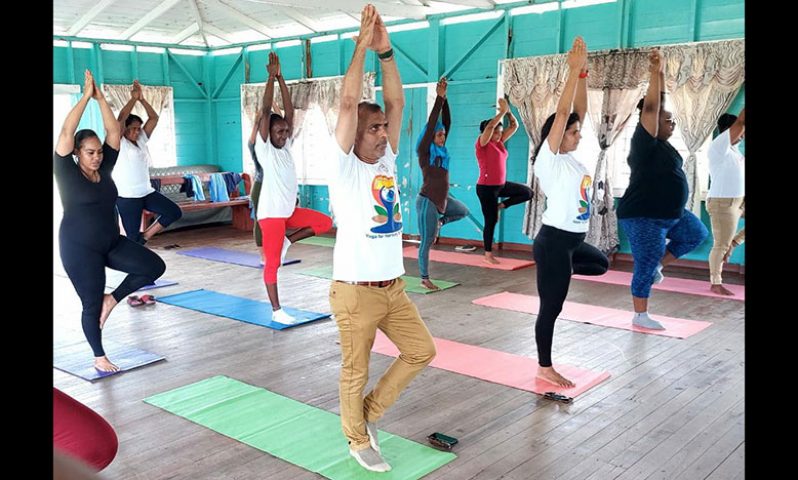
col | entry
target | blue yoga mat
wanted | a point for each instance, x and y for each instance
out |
(75, 356)
(237, 308)
(230, 256)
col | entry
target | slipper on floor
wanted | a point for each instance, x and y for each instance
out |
(135, 301)
(147, 299)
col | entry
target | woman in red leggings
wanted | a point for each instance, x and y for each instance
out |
(277, 210)
(81, 433)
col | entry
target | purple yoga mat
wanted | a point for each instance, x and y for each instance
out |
(230, 256)
(73, 355)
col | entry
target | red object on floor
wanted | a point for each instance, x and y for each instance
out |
(81, 432)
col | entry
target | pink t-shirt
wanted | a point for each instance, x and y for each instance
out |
(492, 160)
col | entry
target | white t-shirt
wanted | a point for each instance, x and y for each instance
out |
(278, 193)
(726, 168)
(365, 201)
(132, 170)
(568, 186)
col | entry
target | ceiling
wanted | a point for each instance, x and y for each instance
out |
(218, 23)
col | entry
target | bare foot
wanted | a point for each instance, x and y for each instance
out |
(109, 302)
(499, 209)
(721, 290)
(549, 374)
(489, 258)
(427, 283)
(104, 365)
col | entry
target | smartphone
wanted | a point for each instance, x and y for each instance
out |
(557, 397)
(442, 441)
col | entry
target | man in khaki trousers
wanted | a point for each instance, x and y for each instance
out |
(726, 199)
(367, 292)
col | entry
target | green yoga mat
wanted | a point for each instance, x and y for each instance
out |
(413, 283)
(297, 433)
(319, 241)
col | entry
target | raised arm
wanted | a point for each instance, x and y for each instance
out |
(512, 127)
(286, 96)
(576, 61)
(135, 95)
(738, 128)
(484, 137)
(392, 93)
(273, 68)
(152, 116)
(352, 87)
(66, 139)
(255, 126)
(113, 133)
(652, 103)
(429, 131)
(580, 101)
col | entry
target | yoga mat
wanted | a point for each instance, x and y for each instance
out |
(230, 256)
(469, 259)
(606, 317)
(306, 436)
(413, 284)
(499, 367)
(237, 308)
(670, 284)
(75, 356)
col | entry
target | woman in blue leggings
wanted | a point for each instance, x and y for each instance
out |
(652, 208)
(434, 205)
(89, 238)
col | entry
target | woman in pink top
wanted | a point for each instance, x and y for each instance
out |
(492, 182)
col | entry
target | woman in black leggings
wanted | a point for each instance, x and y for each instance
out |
(559, 248)
(492, 183)
(89, 238)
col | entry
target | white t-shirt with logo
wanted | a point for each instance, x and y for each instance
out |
(278, 193)
(132, 170)
(726, 168)
(365, 202)
(568, 186)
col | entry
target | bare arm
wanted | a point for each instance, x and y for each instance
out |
(392, 93)
(268, 95)
(429, 132)
(255, 126)
(652, 103)
(512, 127)
(152, 116)
(738, 127)
(446, 117)
(580, 101)
(289, 107)
(576, 60)
(66, 139)
(484, 137)
(352, 87)
(113, 132)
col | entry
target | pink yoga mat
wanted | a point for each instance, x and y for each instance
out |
(607, 317)
(470, 259)
(670, 284)
(498, 367)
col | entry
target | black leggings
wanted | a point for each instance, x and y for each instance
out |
(85, 267)
(130, 210)
(559, 254)
(489, 199)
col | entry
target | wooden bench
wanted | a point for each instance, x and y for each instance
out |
(240, 206)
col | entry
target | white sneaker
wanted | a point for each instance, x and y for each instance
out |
(374, 441)
(286, 244)
(280, 316)
(370, 460)
(658, 276)
(643, 320)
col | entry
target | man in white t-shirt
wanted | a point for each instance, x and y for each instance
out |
(726, 198)
(367, 292)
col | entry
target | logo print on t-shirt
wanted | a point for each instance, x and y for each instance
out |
(584, 201)
(383, 188)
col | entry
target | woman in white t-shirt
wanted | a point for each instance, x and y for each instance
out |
(559, 248)
(132, 173)
(726, 199)
(277, 210)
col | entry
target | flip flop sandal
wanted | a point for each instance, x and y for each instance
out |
(134, 301)
(148, 299)
(558, 397)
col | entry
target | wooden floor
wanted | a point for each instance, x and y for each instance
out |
(673, 409)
